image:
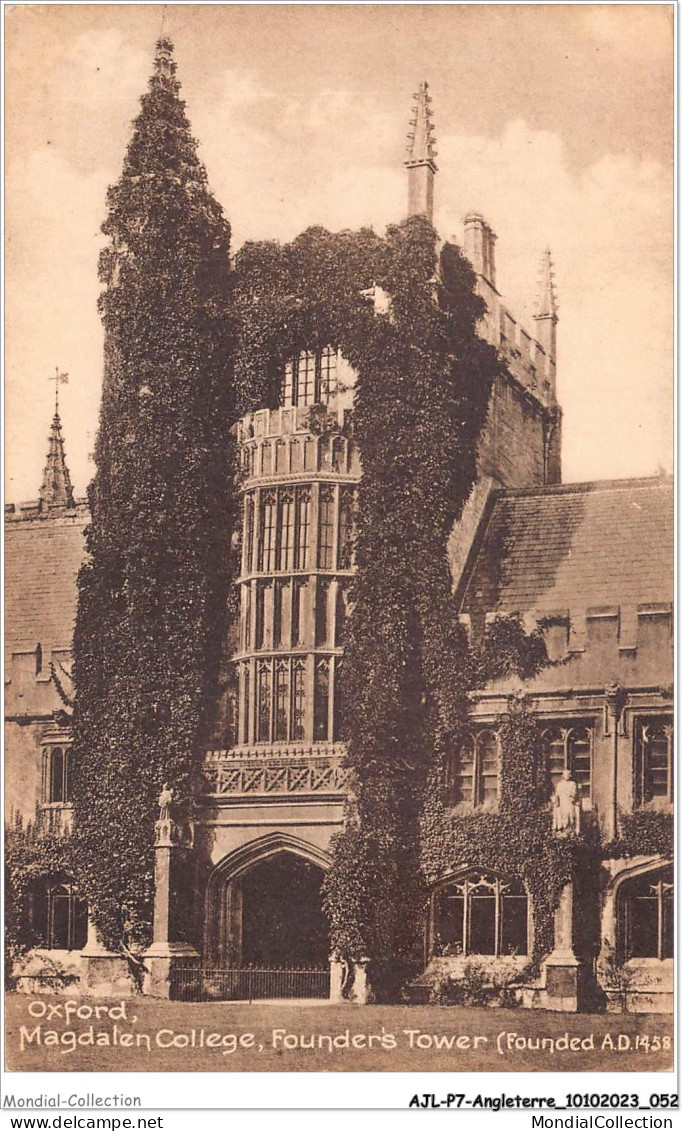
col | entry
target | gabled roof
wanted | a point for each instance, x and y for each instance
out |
(573, 547)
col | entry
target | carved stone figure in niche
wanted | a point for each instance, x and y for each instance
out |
(566, 802)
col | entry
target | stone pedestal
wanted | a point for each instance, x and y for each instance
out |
(563, 973)
(103, 972)
(163, 958)
(350, 983)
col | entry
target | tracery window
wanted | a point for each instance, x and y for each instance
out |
(569, 747)
(59, 916)
(481, 913)
(474, 771)
(302, 527)
(268, 532)
(321, 712)
(281, 704)
(286, 530)
(646, 915)
(653, 763)
(326, 529)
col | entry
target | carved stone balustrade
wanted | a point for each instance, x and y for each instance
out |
(277, 770)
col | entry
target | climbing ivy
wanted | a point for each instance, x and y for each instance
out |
(153, 592)
(31, 857)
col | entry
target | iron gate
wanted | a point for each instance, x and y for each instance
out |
(248, 983)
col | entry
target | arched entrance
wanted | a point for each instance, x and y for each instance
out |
(283, 923)
(264, 906)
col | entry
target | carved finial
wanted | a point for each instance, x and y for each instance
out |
(421, 142)
(56, 490)
(546, 306)
(164, 64)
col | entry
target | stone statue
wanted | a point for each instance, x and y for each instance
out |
(566, 802)
(166, 798)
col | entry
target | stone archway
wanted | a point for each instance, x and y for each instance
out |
(264, 905)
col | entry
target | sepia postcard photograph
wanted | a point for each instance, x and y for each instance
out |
(338, 543)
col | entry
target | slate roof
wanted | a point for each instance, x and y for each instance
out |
(42, 557)
(573, 547)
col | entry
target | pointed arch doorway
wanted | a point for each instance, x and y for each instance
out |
(265, 906)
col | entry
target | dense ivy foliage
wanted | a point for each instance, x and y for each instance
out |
(31, 858)
(516, 839)
(153, 590)
(644, 832)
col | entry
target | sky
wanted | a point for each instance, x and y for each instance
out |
(554, 121)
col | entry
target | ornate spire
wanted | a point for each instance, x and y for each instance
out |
(546, 306)
(56, 490)
(420, 147)
(420, 163)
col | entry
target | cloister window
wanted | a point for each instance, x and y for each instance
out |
(59, 917)
(58, 775)
(481, 913)
(326, 535)
(569, 747)
(653, 763)
(474, 771)
(646, 915)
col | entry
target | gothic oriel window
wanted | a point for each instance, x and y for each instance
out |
(646, 916)
(328, 380)
(58, 775)
(297, 593)
(260, 615)
(247, 704)
(474, 771)
(481, 913)
(326, 529)
(246, 636)
(653, 762)
(569, 747)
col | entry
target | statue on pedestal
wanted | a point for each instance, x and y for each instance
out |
(166, 799)
(566, 803)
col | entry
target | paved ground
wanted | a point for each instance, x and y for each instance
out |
(57, 1034)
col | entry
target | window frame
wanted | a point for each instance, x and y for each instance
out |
(567, 730)
(642, 793)
(467, 883)
(477, 799)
